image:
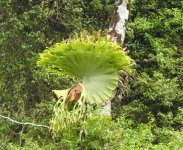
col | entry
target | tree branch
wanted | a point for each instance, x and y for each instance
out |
(23, 123)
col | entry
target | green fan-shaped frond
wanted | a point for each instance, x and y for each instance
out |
(93, 63)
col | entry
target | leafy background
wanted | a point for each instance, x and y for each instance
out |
(149, 116)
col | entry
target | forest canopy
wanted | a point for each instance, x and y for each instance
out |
(149, 115)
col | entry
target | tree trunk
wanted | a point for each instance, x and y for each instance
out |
(116, 32)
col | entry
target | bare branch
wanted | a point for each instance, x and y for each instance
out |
(23, 123)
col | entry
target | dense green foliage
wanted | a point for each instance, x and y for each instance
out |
(149, 116)
(155, 39)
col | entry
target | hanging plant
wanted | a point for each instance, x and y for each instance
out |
(93, 61)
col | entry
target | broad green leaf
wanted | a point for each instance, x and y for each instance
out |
(93, 63)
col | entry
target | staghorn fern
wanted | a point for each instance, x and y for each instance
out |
(94, 62)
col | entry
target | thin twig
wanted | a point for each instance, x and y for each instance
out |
(23, 123)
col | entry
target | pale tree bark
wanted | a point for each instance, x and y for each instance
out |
(119, 21)
(117, 29)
